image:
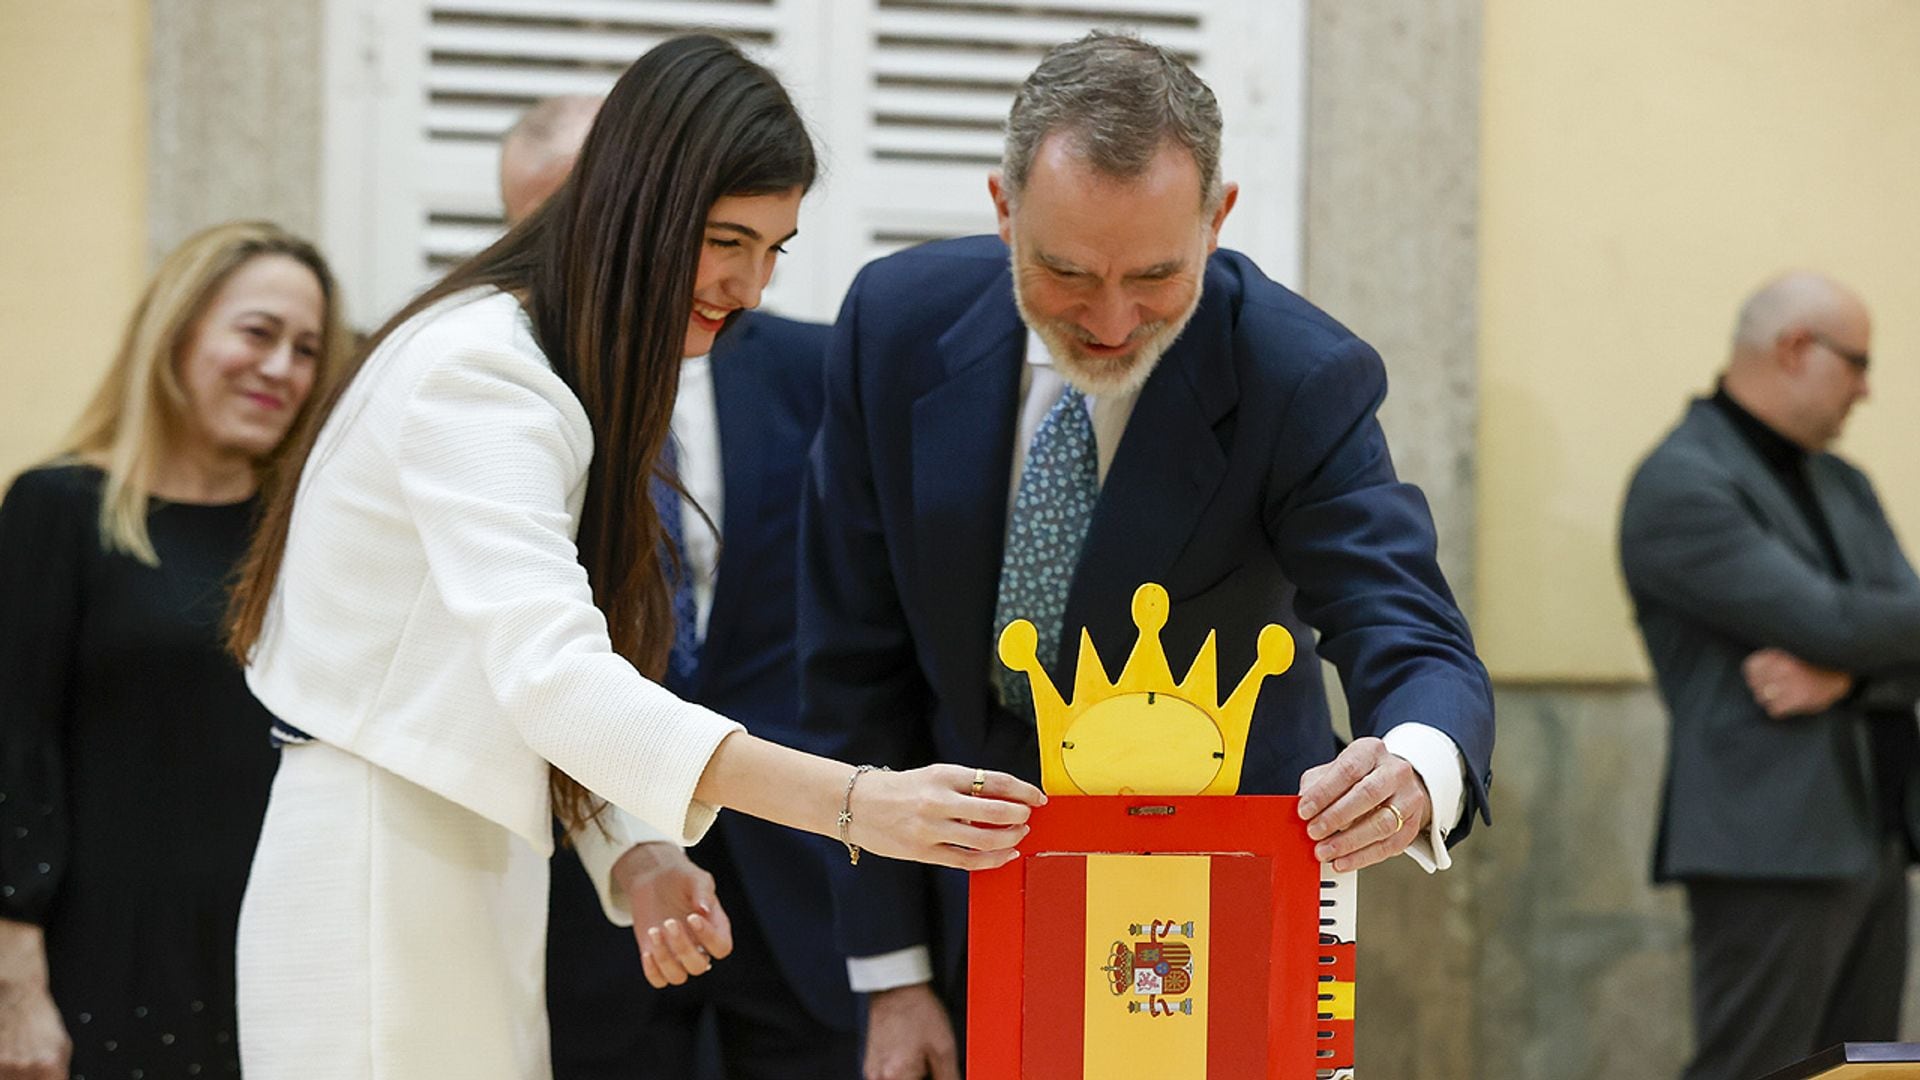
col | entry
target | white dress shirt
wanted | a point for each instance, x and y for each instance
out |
(1431, 753)
(696, 432)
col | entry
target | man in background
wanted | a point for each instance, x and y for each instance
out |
(1783, 622)
(537, 153)
(778, 1000)
(1034, 424)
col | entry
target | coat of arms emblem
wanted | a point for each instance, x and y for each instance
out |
(1156, 972)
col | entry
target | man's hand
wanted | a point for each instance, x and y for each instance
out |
(909, 1036)
(1363, 807)
(33, 1041)
(1785, 685)
(677, 919)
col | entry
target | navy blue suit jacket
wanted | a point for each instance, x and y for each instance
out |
(767, 390)
(1253, 481)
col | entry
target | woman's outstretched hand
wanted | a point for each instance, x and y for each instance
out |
(939, 815)
(947, 815)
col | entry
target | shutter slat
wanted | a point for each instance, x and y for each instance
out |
(952, 105)
(520, 43)
(1158, 11)
(923, 65)
(1028, 35)
(760, 17)
(496, 82)
(476, 121)
(936, 143)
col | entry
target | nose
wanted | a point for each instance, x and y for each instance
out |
(278, 362)
(750, 288)
(743, 287)
(1111, 317)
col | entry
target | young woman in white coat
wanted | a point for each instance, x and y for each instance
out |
(456, 609)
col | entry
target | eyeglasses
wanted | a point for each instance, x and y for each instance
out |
(1859, 360)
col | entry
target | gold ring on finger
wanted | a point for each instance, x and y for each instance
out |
(1399, 819)
(979, 780)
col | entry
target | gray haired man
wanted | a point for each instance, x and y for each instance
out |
(1032, 425)
(1783, 622)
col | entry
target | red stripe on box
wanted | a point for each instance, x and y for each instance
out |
(1055, 969)
(993, 1018)
(1240, 951)
(1294, 1002)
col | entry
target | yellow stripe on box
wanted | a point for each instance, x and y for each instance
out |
(1164, 902)
(1336, 1001)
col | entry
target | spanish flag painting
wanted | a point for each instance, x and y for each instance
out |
(1171, 938)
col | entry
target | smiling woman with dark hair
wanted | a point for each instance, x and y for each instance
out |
(457, 610)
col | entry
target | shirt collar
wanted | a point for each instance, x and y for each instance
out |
(1037, 354)
(1776, 449)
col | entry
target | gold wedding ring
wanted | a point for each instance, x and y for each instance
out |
(979, 780)
(1399, 821)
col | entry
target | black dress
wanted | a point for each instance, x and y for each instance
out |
(134, 769)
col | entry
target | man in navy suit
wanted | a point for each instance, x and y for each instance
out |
(780, 1000)
(1033, 425)
(776, 1005)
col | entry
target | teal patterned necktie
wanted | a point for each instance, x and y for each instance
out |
(1051, 512)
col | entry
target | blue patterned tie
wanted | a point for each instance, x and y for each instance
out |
(1051, 512)
(684, 660)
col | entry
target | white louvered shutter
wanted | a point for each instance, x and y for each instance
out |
(907, 99)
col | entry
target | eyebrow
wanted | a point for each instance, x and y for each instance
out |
(256, 313)
(1159, 269)
(748, 231)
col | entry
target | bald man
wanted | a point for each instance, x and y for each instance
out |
(779, 1001)
(1783, 623)
(537, 152)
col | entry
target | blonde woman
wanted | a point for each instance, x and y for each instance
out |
(134, 763)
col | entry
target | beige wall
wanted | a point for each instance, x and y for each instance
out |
(1645, 164)
(72, 206)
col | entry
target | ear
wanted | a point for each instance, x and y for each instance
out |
(1229, 194)
(1002, 206)
(1790, 350)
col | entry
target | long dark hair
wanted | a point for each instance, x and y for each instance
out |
(605, 270)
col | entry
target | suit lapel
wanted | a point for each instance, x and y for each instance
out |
(1852, 531)
(963, 430)
(739, 405)
(1754, 476)
(1163, 475)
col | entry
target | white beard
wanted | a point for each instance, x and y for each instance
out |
(1107, 376)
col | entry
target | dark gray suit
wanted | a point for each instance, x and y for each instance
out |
(1795, 875)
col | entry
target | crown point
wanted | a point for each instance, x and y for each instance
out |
(1020, 646)
(1275, 653)
(1150, 608)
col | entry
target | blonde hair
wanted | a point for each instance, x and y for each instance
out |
(141, 403)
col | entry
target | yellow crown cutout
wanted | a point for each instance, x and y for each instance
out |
(1145, 734)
